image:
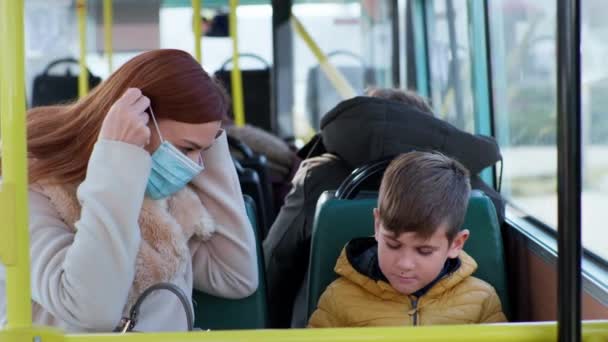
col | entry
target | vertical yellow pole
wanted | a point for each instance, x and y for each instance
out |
(107, 33)
(235, 75)
(83, 77)
(16, 253)
(196, 21)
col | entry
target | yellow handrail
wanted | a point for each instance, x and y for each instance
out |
(83, 84)
(334, 75)
(235, 74)
(15, 256)
(521, 332)
(107, 33)
(14, 251)
(196, 21)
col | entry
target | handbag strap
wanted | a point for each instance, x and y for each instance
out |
(128, 323)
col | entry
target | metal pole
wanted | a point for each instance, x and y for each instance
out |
(480, 60)
(569, 169)
(282, 75)
(410, 49)
(238, 106)
(396, 50)
(107, 33)
(196, 21)
(455, 64)
(480, 75)
(16, 253)
(420, 47)
(83, 77)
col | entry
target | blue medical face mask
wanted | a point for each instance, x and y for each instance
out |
(171, 169)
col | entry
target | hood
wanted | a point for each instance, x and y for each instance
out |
(365, 129)
(358, 263)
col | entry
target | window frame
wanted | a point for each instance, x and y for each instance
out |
(542, 241)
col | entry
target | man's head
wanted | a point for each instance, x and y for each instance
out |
(407, 97)
(421, 208)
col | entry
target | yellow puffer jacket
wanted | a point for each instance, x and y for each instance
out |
(356, 300)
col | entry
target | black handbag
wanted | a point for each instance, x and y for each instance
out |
(127, 324)
(57, 89)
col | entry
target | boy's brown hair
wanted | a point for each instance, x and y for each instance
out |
(420, 191)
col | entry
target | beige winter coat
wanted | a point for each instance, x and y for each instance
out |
(96, 247)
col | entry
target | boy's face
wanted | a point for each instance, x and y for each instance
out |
(410, 262)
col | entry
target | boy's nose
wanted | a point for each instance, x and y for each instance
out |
(406, 264)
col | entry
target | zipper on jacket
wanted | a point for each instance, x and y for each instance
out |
(414, 311)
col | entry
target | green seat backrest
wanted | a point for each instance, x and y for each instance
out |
(217, 313)
(338, 221)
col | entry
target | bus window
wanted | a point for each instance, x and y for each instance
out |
(523, 47)
(594, 92)
(522, 38)
(450, 63)
(254, 32)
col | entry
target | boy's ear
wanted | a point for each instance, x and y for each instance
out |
(376, 223)
(458, 243)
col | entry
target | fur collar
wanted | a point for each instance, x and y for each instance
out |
(166, 227)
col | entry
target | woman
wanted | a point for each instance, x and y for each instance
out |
(118, 201)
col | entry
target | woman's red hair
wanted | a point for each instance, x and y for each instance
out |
(60, 139)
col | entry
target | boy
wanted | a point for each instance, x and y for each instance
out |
(414, 271)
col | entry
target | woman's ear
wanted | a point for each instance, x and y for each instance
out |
(458, 243)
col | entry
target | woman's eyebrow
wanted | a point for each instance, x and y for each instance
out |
(193, 145)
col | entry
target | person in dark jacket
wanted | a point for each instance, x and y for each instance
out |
(355, 132)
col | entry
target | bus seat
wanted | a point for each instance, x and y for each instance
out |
(337, 221)
(257, 91)
(364, 179)
(252, 186)
(257, 162)
(51, 89)
(217, 313)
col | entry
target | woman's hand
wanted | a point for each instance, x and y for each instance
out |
(127, 120)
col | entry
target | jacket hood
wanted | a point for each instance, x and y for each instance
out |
(365, 129)
(358, 263)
